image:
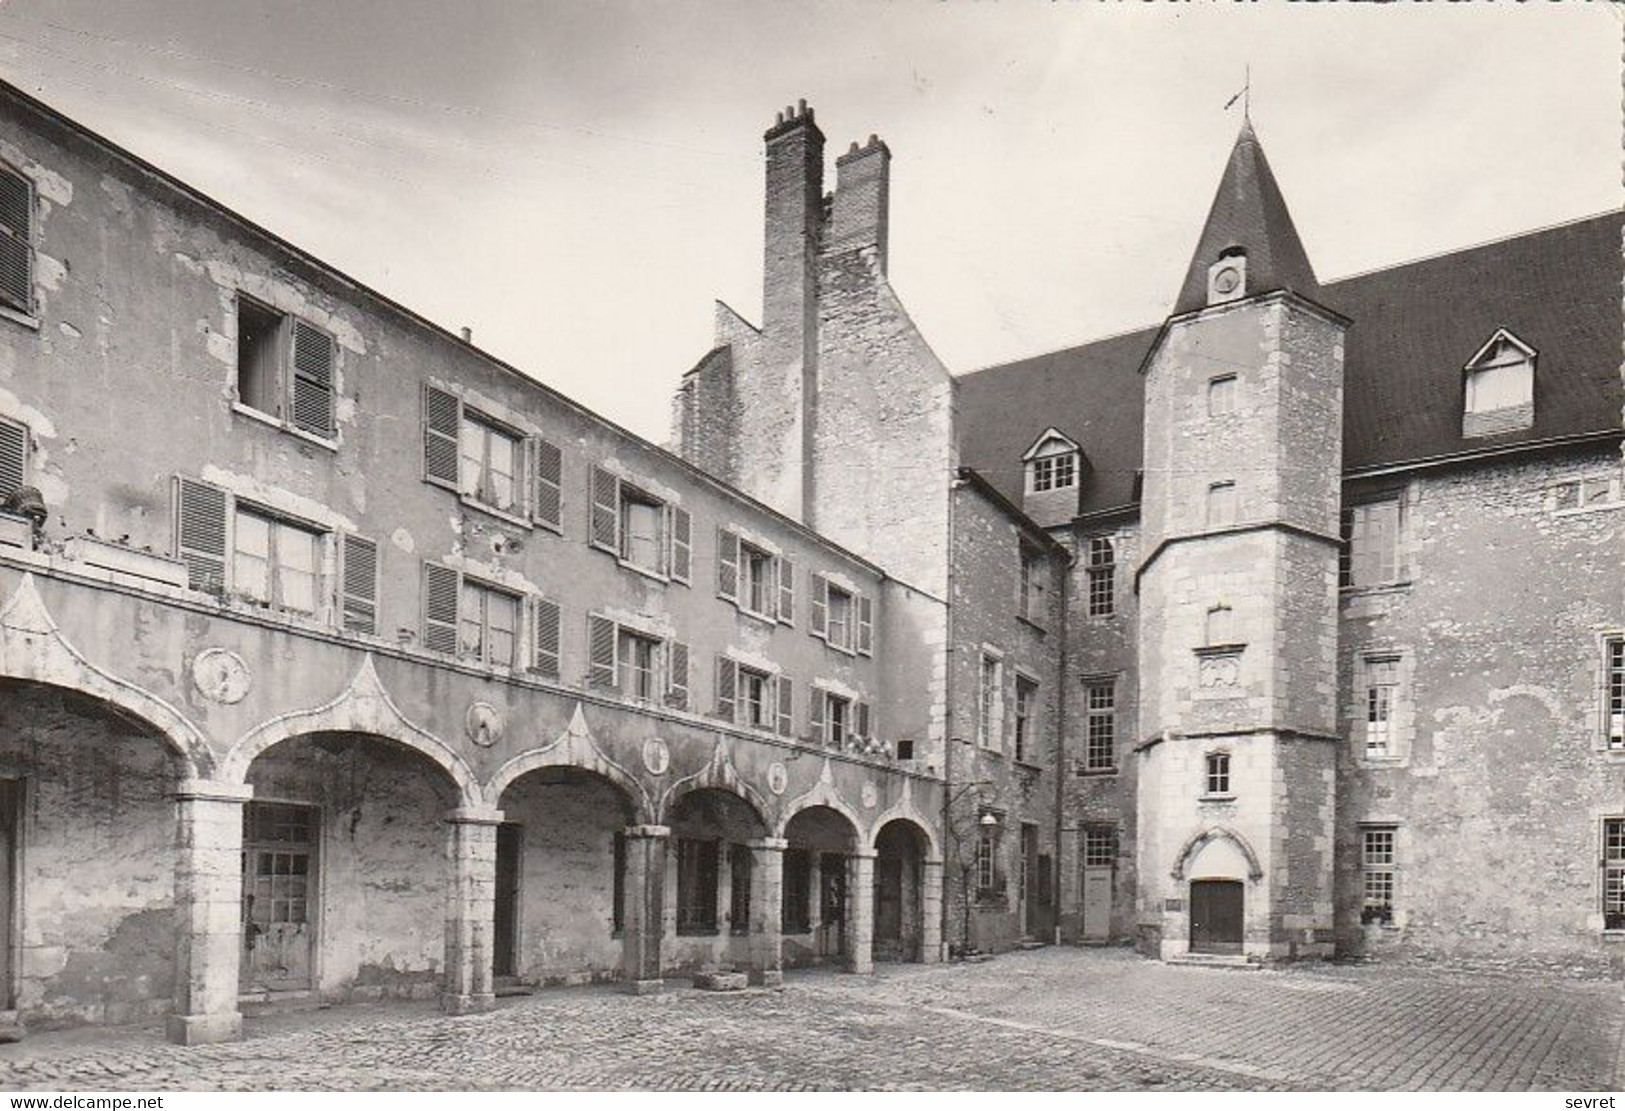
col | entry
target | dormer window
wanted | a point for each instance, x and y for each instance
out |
(1052, 463)
(1499, 387)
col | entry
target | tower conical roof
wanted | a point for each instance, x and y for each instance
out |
(1249, 212)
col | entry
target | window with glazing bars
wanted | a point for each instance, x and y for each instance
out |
(1616, 692)
(1613, 873)
(1102, 577)
(1099, 846)
(1218, 773)
(1382, 689)
(1377, 872)
(1100, 748)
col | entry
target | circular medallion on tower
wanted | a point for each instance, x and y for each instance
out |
(483, 724)
(1227, 279)
(656, 756)
(778, 777)
(870, 796)
(221, 675)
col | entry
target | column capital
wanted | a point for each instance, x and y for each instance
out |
(474, 816)
(770, 844)
(863, 854)
(214, 790)
(933, 862)
(649, 832)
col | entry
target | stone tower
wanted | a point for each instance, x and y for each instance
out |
(1238, 591)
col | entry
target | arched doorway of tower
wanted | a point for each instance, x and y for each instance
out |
(900, 852)
(817, 917)
(88, 858)
(560, 900)
(1218, 874)
(345, 879)
(711, 873)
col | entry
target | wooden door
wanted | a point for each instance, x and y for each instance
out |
(889, 906)
(279, 891)
(1097, 903)
(1216, 916)
(505, 932)
(832, 904)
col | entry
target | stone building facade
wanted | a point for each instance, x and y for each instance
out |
(340, 660)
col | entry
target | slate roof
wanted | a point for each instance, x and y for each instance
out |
(1249, 212)
(1415, 326)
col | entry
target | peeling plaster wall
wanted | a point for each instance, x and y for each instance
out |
(380, 860)
(97, 862)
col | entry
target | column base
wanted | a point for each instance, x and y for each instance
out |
(767, 977)
(642, 987)
(859, 967)
(467, 1004)
(204, 1029)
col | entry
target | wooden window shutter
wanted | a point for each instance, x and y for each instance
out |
(815, 713)
(677, 674)
(548, 467)
(605, 530)
(786, 706)
(820, 606)
(866, 625)
(200, 534)
(441, 587)
(682, 544)
(727, 681)
(787, 591)
(861, 719)
(358, 589)
(545, 659)
(602, 644)
(16, 241)
(727, 564)
(13, 457)
(312, 379)
(442, 417)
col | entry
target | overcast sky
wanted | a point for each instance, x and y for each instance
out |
(577, 181)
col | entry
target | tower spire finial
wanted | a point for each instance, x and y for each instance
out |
(1245, 96)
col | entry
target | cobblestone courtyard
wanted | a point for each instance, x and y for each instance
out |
(1047, 1019)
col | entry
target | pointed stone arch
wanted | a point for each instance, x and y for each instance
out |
(905, 810)
(33, 649)
(823, 793)
(574, 748)
(1197, 841)
(718, 774)
(363, 707)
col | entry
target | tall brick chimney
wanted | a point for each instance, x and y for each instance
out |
(795, 205)
(862, 197)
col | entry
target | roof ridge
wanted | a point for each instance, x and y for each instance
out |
(1508, 238)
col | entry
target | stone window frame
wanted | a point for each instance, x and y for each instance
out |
(1402, 710)
(1223, 395)
(1585, 497)
(1348, 522)
(990, 700)
(1222, 507)
(1608, 725)
(1100, 710)
(1024, 720)
(1101, 577)
(1387, 873)
(289, 327)
(1218, 784)
(1032, 591)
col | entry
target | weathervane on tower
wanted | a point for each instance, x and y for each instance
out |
(1245, 96)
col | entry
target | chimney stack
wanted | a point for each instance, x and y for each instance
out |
(795, 197)
(862, 198)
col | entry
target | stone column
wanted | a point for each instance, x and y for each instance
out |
(815, 902)
(209, 899)
(643, 925)
(860, 911)
(767, 911)
(930, 911)
(471, 865)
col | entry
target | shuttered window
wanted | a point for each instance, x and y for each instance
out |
(820, 605)
(16, 241)
(601, 652)
(440, 590)
(442, 416)
(201, 534)
(866, 625)
(787, 591)
(312, 379)
(682, 544)
(359, 586)
(727, 564)
(727, 683)
(677, 675)
(13, 457)
(545, 626)
(548, 467)
(787, 703)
